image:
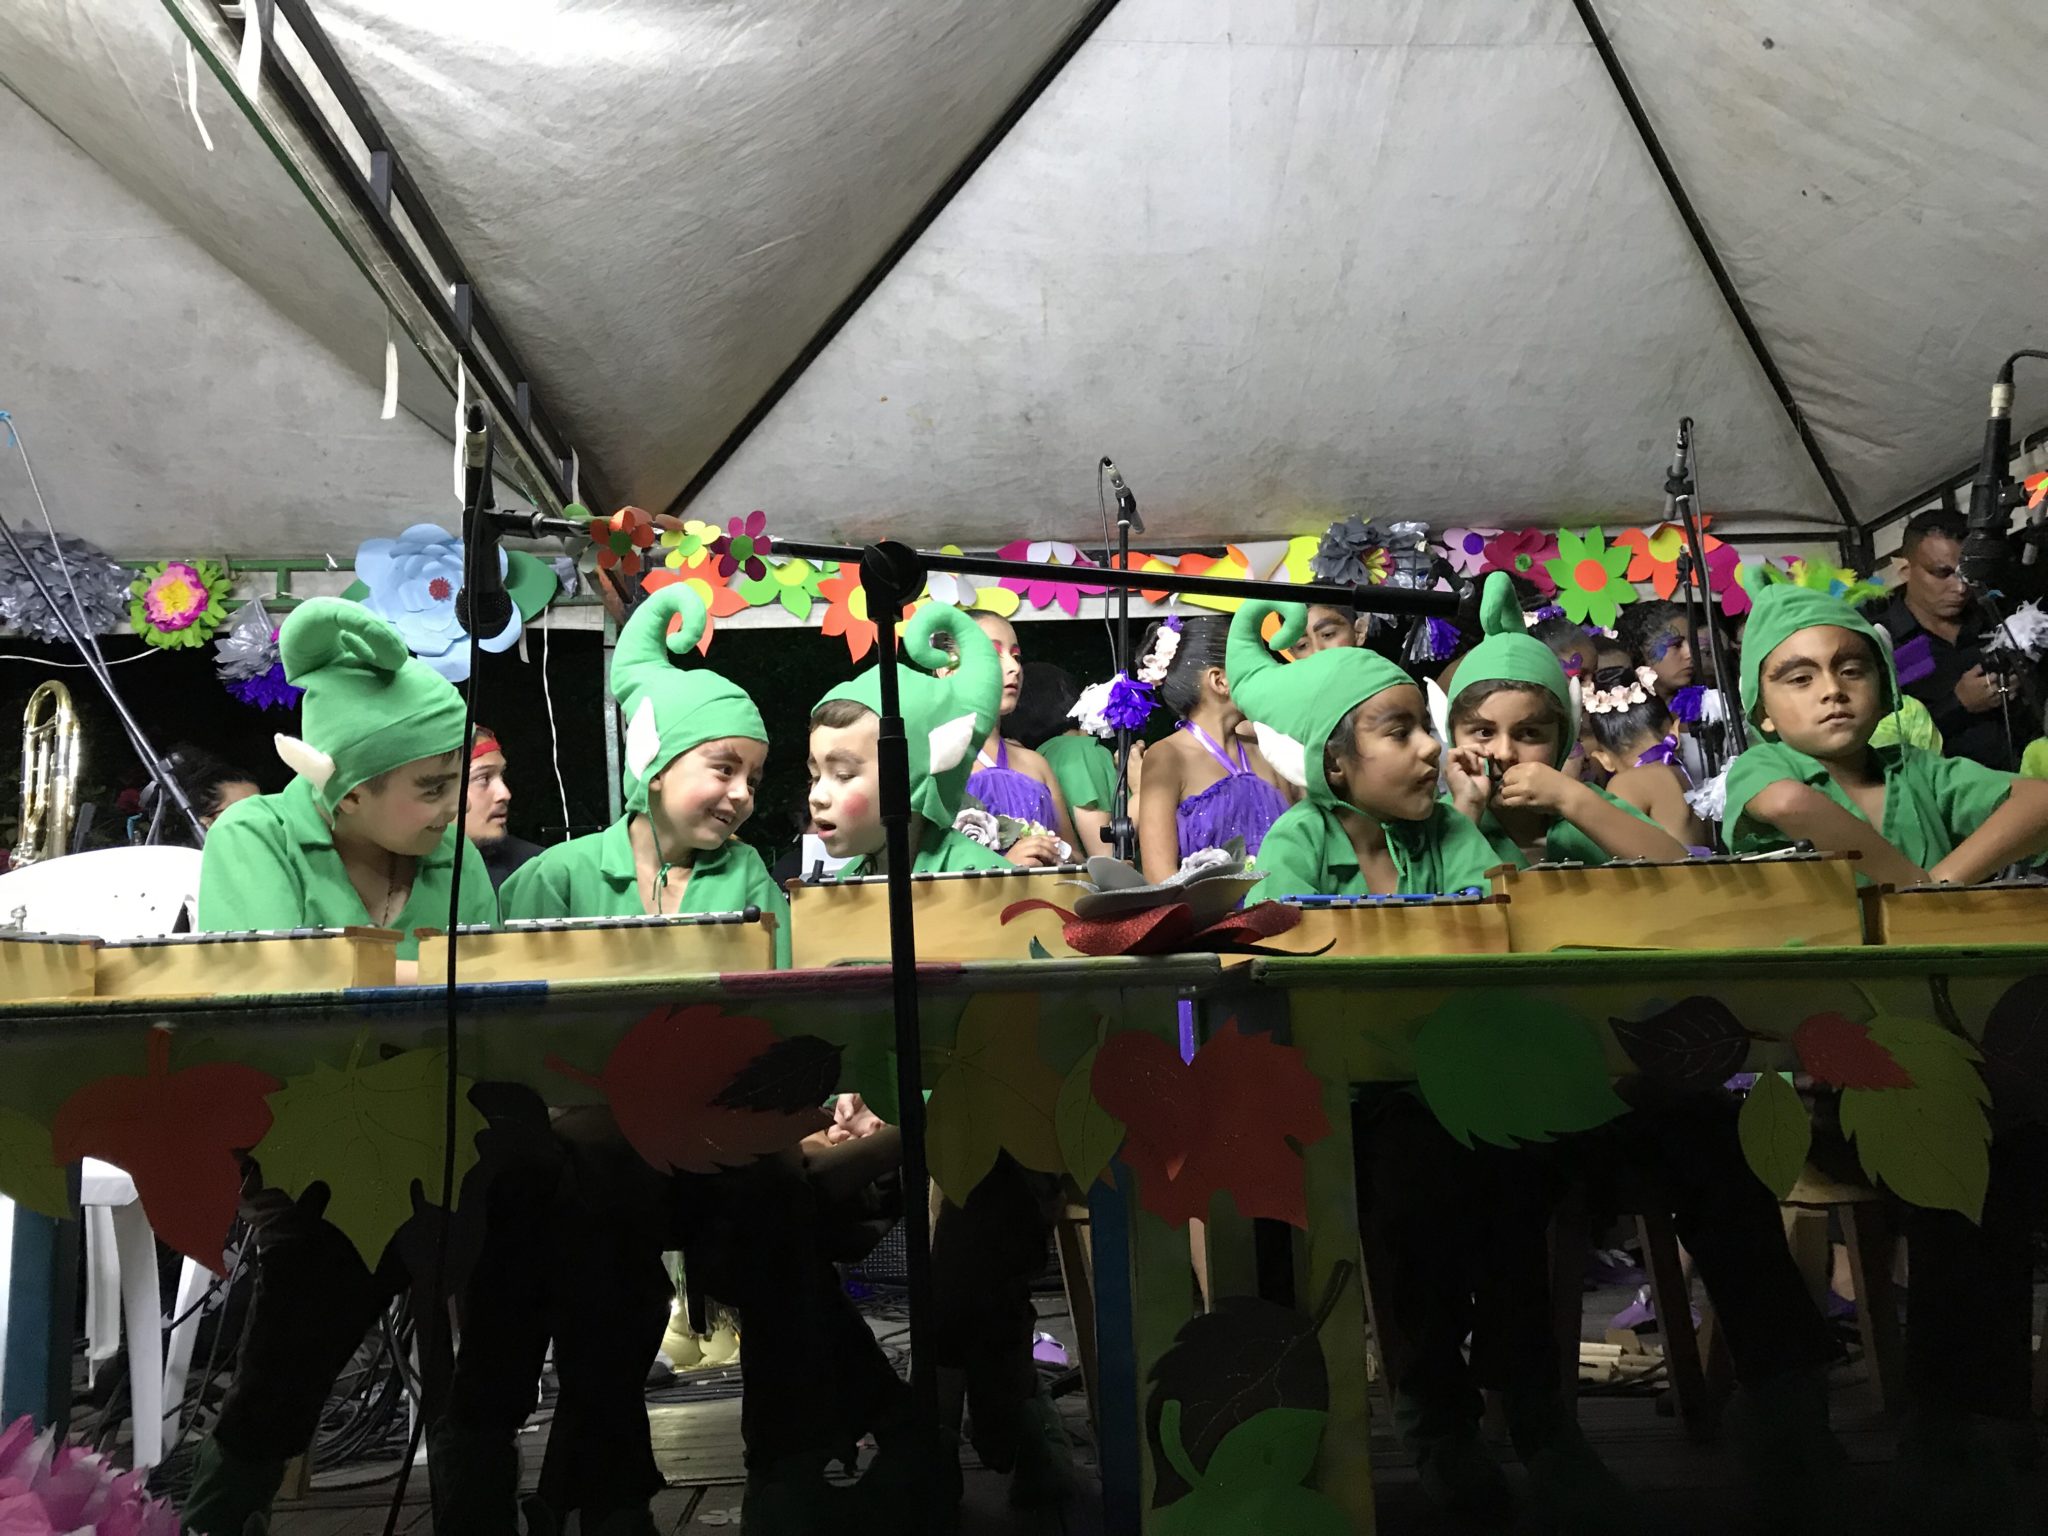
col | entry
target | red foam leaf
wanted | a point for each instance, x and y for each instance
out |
(176, 1134)
(663, 1082)
(1839, 1052)
(1234, 1119)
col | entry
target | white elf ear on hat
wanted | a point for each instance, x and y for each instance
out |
(950, 741)
(304, 759)
(1288, 757)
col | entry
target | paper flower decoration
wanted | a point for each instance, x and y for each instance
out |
(1153, 564)
(102, 586)
(1345, 554)
(1654, 552)
(1042, 593)
(1234, 566)
(742, 547)
(178, 603)
(702, 577)
(620, 538)
(1465, 548)
(683, 545)
(47, 1488)
(245, 656)
(410, 582)
(1525, 552)
(2036, 487)
(1409, 560)
(792, 583)
(1129, 705)
(1727, 579)
(1588, 577)
(847, 616)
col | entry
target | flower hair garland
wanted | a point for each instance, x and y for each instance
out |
(1612, 701)
(1158, 661)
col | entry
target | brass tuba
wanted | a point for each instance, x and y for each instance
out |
(49, 775)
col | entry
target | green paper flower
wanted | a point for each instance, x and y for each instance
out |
(792, 583)
(1589, 577)
(179, 603)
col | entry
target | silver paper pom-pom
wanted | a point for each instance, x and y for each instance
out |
(1340, 557)
(1408, 555)
(248, 646)
(100, 584)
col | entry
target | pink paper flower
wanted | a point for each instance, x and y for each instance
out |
(47, 1489)
(1465, 548)
(1066, 595)
(742, 545)
(1524, 552)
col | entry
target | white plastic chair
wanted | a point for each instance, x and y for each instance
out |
(118, 894)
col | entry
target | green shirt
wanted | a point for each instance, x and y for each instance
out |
(270, 865)
(1564, 843)
(595, 876)
(1930, 803)
(1086, 770)
(942, 855)
(2034, 761)
(1307, 852)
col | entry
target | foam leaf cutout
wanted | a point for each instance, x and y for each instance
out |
(1841, 1053)
(1696, 1043)
(1505, 1067)
(1929, 1146)
(998, 1095)
(1775, 1132)
(1233, 1119)
(29, 1175)
(370, 1133)
(177, 1135)
(667, 1081)
(1089, 1135)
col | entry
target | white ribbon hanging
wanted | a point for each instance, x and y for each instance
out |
(390, 372)
(192, 94)
(249, 66)
(461, 414)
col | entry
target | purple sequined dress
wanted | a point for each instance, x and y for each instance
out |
(1007, 791)
(1240, 804)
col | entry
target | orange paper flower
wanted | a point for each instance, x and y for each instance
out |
(1653, 553)
(848, 614)
(701, 577)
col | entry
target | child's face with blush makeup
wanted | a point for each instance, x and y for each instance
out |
(845, 800)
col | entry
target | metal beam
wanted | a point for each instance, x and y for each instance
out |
(361, 198)
(934, 205)
(1647, 132)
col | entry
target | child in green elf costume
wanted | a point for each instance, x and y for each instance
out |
(694, 751)
(1514, 721)
(987, 1252)
(366, 834)
(1816, 681)
(814, 1379)
(1456, 1236)
(944, 718)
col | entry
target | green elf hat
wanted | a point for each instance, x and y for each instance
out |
(1296, 706)
(369, 706)
(1510, 654)
(945, 718)
(1781, 609)
(669, 710)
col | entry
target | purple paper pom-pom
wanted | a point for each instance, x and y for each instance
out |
(1443, 639)
(266, 690)
(1686, 705)
(1130, 704)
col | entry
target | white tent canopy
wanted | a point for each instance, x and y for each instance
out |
(1286, 259)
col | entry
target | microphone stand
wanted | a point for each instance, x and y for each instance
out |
(893, 574)
(1123, 836)
(1681, 487)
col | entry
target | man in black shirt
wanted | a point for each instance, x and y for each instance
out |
(1971, 707)
(490, 806)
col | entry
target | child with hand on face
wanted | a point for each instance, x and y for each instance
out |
(1816, 682)
(1204, 786)
(1514, 719)
(1457, 1235)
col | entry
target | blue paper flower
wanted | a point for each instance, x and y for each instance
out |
(412, 583)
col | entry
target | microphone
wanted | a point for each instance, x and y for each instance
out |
(483, 607)
(1987, 545)
(1126, 503)
(1679, 482)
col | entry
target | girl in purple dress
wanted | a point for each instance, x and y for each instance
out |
(1635, 739)
(1010, 779)
(1203, 784)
